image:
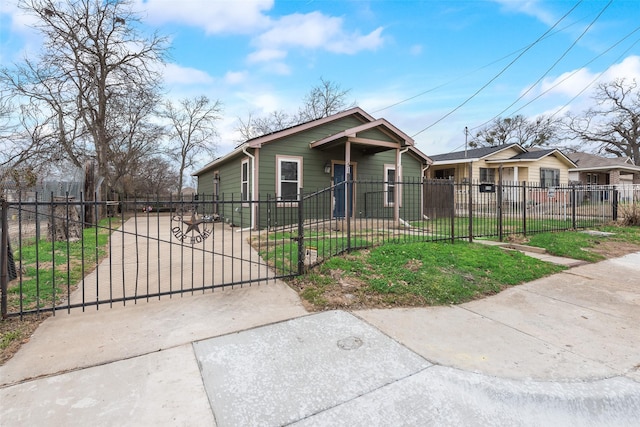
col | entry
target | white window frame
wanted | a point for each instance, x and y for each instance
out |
(391, 187)
(488, 172)
(279, 180)
(543, 183)
(245, 192)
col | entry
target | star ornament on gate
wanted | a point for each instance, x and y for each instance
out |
(192, 230)
(193, 223)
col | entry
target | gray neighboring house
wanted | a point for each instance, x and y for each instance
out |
(309, 157)
(592, 169)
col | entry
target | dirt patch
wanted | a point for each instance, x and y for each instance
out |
(614, 249)
(14, 332)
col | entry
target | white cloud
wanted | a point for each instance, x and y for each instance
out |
(574, 82)
(235, 77)
(415, 50)
(314, 31)
(279, 68)
(265, 55)
(175, 74)
(215, 17)
(533, 8)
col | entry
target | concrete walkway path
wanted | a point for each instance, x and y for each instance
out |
(563, 350)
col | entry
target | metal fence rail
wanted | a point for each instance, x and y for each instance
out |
(148, 248)
(139, 251)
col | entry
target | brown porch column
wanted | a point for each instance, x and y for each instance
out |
(614, 177)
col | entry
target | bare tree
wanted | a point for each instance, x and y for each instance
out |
(153, 176)
(321, 101)
(519, 130)
(614, 125)
(137, 137)
(192, 129)
(254, 127)
(92, 57)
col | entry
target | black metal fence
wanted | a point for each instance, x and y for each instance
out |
(150, 248)
(141, 249)
(443, 210)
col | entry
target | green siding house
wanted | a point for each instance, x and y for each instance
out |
(312, 157)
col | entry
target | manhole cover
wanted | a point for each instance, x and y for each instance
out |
(350, 343)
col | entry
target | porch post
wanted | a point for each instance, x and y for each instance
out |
(347, 177)
(396, 193)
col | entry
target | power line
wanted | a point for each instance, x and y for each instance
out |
(579, 69)
(550, 68)
(500, 73)
(596, 78)
(462, 76)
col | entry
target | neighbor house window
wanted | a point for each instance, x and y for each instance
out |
(289, 178)
(444, 173)
(549, 178)
(244, 179)
(592, 179)
(487, 175)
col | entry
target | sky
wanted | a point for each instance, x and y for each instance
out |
(431, 68)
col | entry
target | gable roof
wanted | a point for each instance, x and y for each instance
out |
(368, 123)
(357, 112)
(535, 154)
(473, 154)
(381, 124)
(593, 162)
(524, 155)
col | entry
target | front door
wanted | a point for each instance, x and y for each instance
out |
(340, 190)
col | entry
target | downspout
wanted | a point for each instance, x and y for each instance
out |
(253, 185)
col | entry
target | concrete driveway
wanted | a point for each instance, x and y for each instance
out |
(146, 258)
(563, 350)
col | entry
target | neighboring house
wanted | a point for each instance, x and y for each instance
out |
(313, 156)
(546, 167)
(592, 169)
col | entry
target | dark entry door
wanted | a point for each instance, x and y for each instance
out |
(340, 190)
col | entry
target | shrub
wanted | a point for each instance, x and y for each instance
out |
(630, 214)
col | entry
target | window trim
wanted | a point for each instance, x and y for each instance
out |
(279, 160)
(245, 196)
(555, 178)
(386, 203)
(489, 171)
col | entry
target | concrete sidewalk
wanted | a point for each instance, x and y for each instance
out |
(561, 350)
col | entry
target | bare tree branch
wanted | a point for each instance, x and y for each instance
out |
(519, 130)
(614, 125)
(192, 133)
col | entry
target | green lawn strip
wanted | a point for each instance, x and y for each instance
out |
(425, 273)
(576, 245)
(569, 244)
(51, 267)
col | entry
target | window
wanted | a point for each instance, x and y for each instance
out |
(592, 179)
(244, 179)
(549, 178)
(390, 185)
(444, 173)
(289, 179)
(487, 175)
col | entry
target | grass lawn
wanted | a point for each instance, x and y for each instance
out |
(50, 273)
(416, 274)
(584, 246)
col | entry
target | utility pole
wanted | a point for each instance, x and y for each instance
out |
(466, 134)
